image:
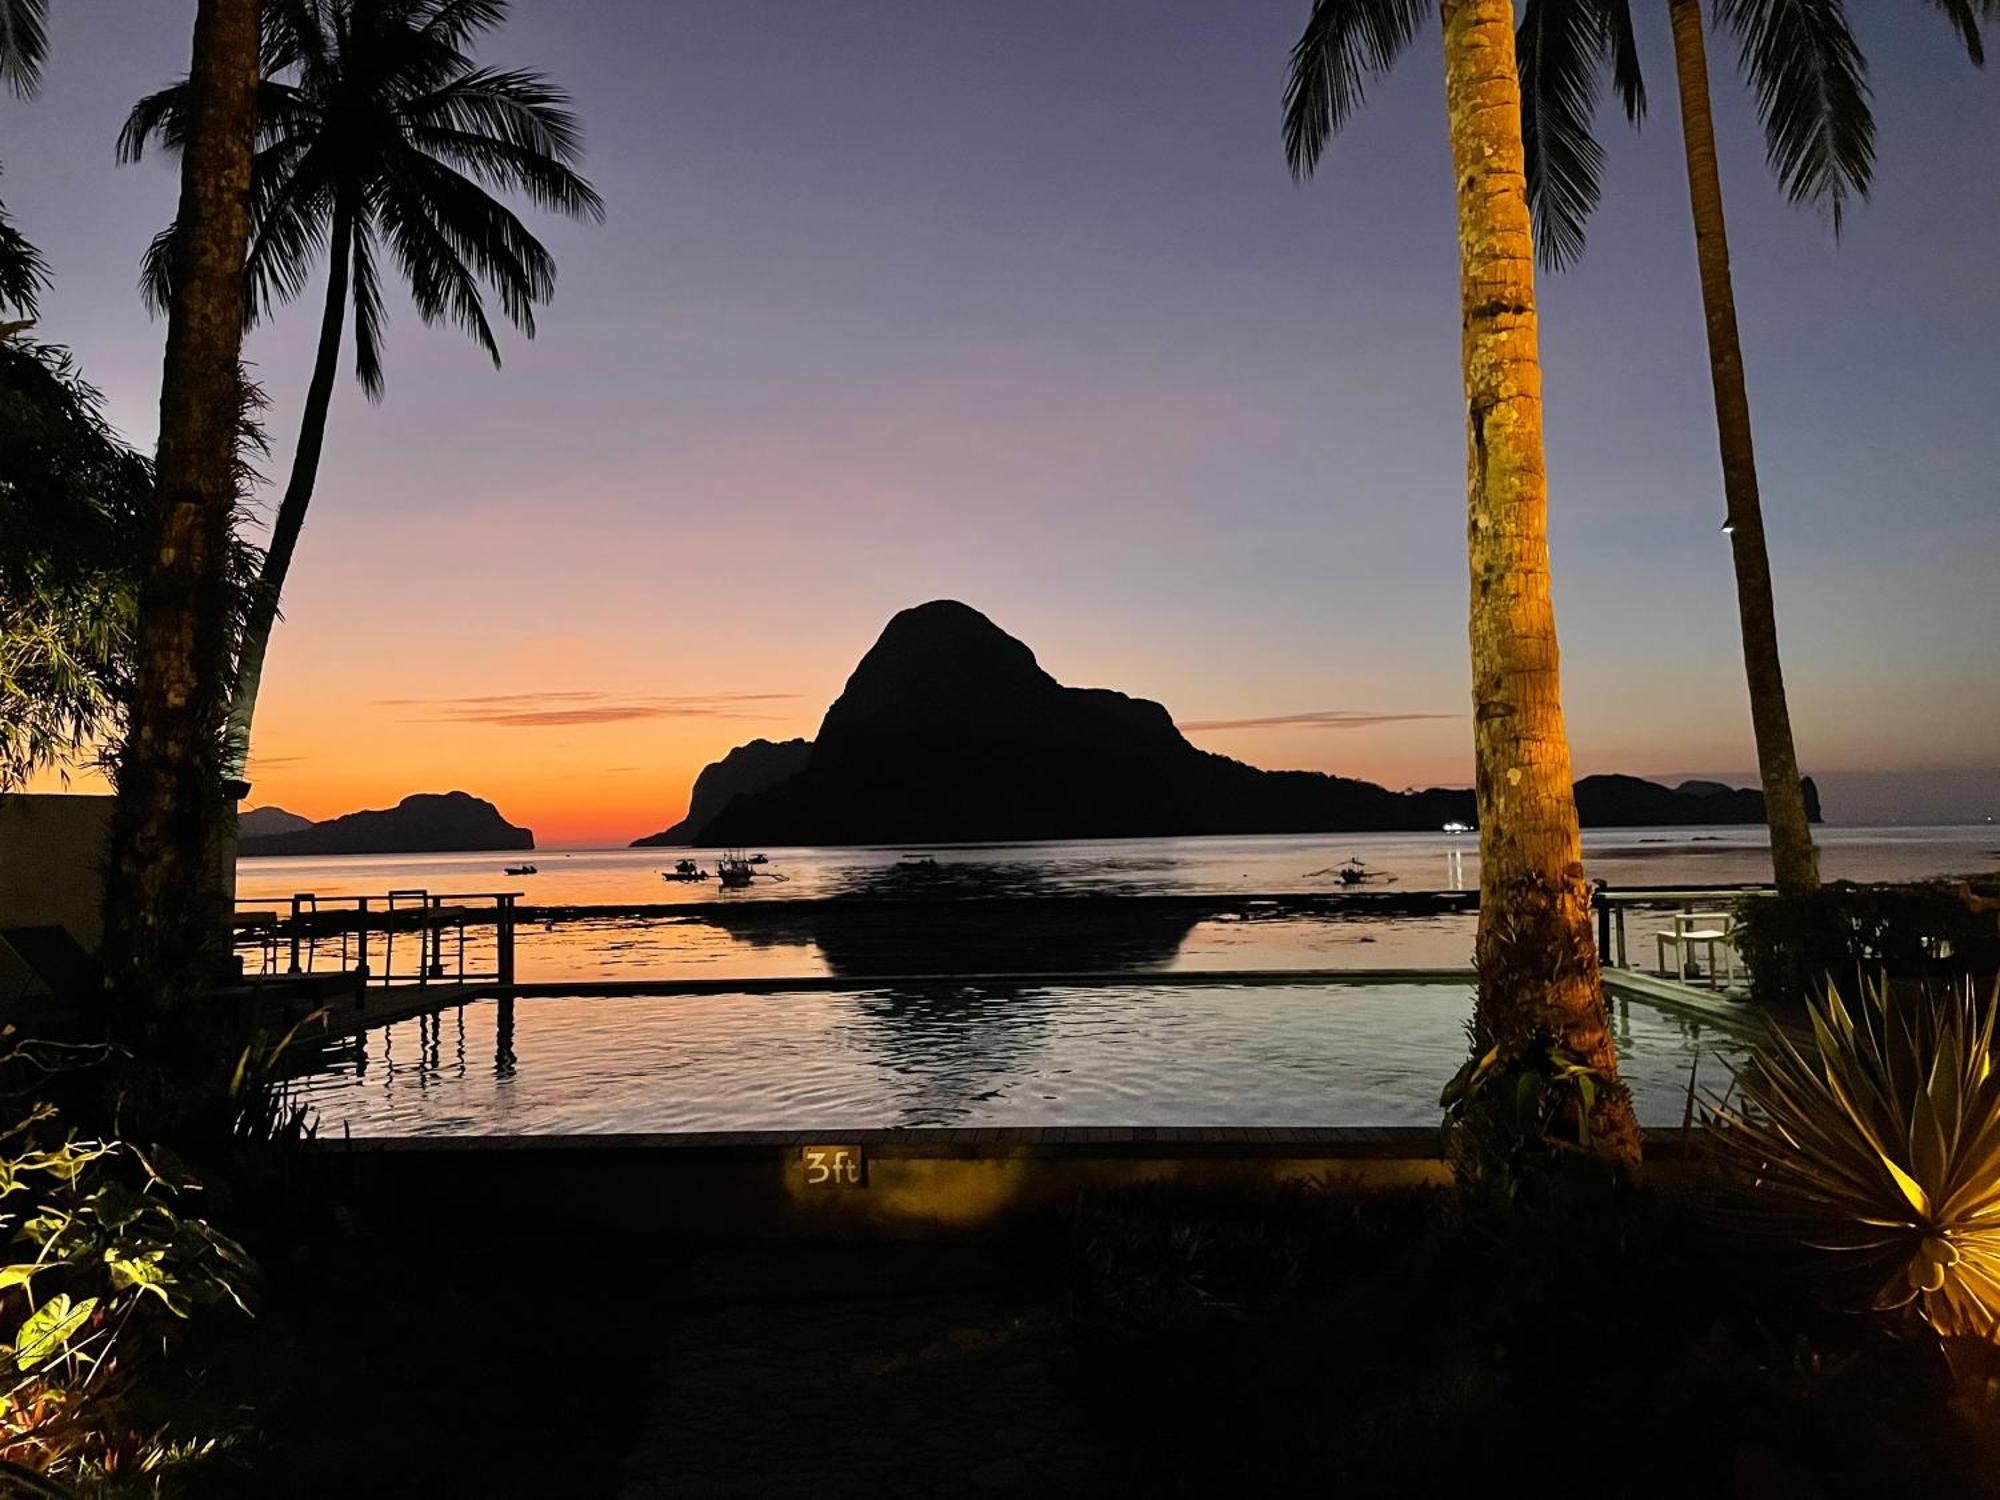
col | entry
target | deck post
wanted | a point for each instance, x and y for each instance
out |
(503, 937)
(296, 908)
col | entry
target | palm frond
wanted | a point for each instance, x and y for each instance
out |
(23, 271)
(441, 285)
(1966, 18)
(366, 294)
(1628, 80)
(1344, 41)
(161, 115)
(1810, 81)
(453, 23)
(156, 271)
(1562, 47)
(377, 104)
(24, 45)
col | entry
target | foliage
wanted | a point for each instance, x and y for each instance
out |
(1881, 1150)
(1508, 1119)
(76, 507)
(372, 112)
(1794, 943)
(1341, 1341)
(23, 45)
(106, 1268)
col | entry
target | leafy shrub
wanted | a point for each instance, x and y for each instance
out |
(1509, 1121)
(1881, 1150)
(104, 1269)
(1794, 944)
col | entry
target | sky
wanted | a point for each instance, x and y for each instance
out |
(1017, 304)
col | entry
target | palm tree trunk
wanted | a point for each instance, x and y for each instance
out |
(1538, 972)
(165, 922)
(291, 517)
(1793, 858)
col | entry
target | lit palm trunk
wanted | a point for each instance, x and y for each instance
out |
(1537, 963)
(164, 925)
(1793, 858)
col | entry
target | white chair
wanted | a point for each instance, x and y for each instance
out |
(1714, 930)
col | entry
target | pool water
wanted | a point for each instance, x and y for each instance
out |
(1365, 1053)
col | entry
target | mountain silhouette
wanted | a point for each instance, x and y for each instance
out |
(426, 823)
(747, 768)
(949, 731)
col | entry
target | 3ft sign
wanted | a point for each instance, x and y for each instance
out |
(833, 1166)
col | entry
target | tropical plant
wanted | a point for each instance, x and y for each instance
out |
(76, 505)
(165, 905)
(1880, 1150)
(1508, 1119)
(379, 134)
(105, 1270)
(1808, 76)
(1538, 976)
(23, 45)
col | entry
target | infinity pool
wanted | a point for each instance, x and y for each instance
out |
(1308, 1054)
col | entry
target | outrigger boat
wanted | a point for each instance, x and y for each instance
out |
(736, 869)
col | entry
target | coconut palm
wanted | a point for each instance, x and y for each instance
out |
(164, 926)
(1538, 978)
(378, 136)
(1809, 79)
(23, 44)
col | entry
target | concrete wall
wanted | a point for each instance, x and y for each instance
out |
(52, 852)
(52, 862)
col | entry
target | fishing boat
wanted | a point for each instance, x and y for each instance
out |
(735, 869)
(684, 869)
(522, 870)
(1458, 828)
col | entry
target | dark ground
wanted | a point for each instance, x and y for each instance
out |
(1152, 1342)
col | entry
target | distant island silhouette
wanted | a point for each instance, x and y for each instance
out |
(950, 731)
(426, 823)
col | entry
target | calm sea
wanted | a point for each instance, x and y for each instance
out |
(777, 928)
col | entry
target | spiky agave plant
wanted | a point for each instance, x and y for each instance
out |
(1882, 1149)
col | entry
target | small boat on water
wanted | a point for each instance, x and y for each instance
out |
(522, 870)
(916, 862)
(736, 869)
(684, 869)
(1458, 828)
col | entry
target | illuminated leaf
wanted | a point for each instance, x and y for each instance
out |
(50, 1328)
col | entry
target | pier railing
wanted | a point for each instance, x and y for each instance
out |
(400, 938)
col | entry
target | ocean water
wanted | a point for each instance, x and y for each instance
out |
(1356, 1053)
(1010, 922)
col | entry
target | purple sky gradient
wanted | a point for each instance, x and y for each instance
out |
(1016, 304)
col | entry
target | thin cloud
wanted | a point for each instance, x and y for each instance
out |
(579, 706)
(1323, 718)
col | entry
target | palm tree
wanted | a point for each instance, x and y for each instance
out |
(1538, 975)
(1809, 78)
(23, 45)
(378, 132)
(163, 927)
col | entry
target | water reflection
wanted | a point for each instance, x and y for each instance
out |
(953, 1053)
